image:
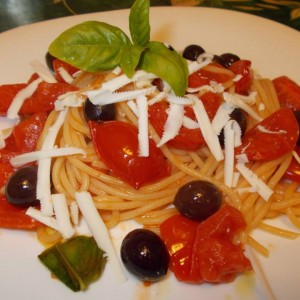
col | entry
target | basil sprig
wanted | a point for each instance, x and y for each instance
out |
(98, 46)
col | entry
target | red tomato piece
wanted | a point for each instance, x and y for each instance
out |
(263, 146)
(179, 234)
(57, 63)
(7, 94)
(42, 99)
(6, 155)
(187, 139)
(293, 171)
(204, 76)
(27, 132)
(205, 251)
(242, 67)
(14, 217)
(288, 92)
(6, 171)
(116, 143)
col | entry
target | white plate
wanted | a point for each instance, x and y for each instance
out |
(274, 50)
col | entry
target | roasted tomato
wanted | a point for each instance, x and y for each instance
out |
(42, 99)
(205, 76)
(288, 92)
(187, 139)
(273, 137)
(242, 67)
(205, 252)
(116, 143)
(27, 132)
(293, 171)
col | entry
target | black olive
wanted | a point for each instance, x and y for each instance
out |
(198, 199)
(94, 112)
(192, 52)
(49, 60)
(240, 116)
(20, 189)
(228, 59)
(144, 255)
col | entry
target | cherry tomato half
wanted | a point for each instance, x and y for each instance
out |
(205, 76)
(187, 139)
(57, 63)
(116, 143)
(288, 92)
(242, 67)
(263, 146)
(42, 99)
(205, 251)
(28, 131)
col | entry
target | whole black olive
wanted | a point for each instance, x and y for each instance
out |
(198, 199)
(192, 52)
(20, 190)
(144, 255)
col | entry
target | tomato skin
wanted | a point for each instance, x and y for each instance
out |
(204, 251)
(204, 77)
(260, 146)
(57, 63)
(42, 99)
(14, 217)
(288, 92)
(28, 131)
(187, 139)
(116, 143)
(242, 67)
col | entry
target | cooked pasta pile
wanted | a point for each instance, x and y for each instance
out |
(151, 204)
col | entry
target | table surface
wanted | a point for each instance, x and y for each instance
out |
(17, 13)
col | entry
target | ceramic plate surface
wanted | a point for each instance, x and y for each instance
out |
(274, 50)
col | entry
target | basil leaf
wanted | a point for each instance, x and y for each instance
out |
(166, 64)
(139, 22)
(91, 46)
(130, 59)
(77, 262)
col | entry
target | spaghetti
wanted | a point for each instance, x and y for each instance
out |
(151, 204)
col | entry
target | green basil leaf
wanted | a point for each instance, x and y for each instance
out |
(166, 64)
(77, 262)
(130, 59)
(139, 22)
(91, 46)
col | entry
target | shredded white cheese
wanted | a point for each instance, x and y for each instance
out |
(70, 99)
(222, 117)
(173, 123)
(210, 137)
(21, 96)
(46, 220)
(99, 231)
(43, 189)
(238, 100)
(62, 215)
(28, 157)
(260, 186)
(143, 136)
(266, 130)
(108, 97)
(43, 72)
(65, 75)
